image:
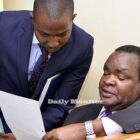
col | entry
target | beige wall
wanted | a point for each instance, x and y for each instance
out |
(1, 5)
(111, 22)
(18, 4)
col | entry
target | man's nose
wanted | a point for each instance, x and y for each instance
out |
(109, 80)
(53, 43)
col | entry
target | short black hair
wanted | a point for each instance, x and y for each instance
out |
(54, 8)
(130, 49)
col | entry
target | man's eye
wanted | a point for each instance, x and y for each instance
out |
(62, 35)
(43, 34)
(121, 77)
(106, 73)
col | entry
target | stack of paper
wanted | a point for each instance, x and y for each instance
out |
(23, 116)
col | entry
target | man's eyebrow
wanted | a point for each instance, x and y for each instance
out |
(121, 70)
(64, 32)
(117, 70)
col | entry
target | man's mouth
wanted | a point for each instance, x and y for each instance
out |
(106, 93)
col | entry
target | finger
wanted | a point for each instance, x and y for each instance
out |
(8, 136)
(48, 136)
(1, 134)
(1, 138)
(45, 137)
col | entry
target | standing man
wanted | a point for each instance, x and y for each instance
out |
(47, 33)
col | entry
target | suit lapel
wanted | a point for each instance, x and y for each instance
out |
(53, 67)
(24, 42)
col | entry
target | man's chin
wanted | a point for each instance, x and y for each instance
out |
(107, 103)
(53, 50)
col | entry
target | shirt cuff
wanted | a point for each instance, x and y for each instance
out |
(111, 129)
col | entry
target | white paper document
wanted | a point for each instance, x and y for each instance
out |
(23, 116)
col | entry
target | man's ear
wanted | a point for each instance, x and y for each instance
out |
(74, 15)
(32, 15)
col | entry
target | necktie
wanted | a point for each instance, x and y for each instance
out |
(107, 113)
(37, 72)
(104, 114)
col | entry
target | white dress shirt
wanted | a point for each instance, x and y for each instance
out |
(110, 127)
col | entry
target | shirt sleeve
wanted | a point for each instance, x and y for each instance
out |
(111, 129)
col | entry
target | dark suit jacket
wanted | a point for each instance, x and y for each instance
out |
(71, 62)
(83, 113)
(128, 118)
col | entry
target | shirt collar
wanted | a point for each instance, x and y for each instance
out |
(35, 40)
(102, 112)
(104, 109)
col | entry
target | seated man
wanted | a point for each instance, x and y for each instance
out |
(119, 89)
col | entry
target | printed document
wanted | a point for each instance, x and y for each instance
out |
(23, 116)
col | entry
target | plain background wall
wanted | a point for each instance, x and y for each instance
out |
(1, 5)
(112, 23)
(17, 4)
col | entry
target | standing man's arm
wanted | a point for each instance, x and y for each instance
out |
(69, 87)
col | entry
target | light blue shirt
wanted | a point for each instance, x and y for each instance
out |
(34, 55)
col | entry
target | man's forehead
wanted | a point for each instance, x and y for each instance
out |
(121, 55)
(123, 60)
